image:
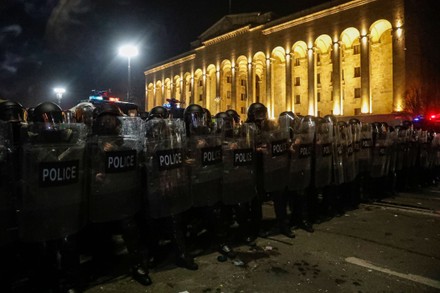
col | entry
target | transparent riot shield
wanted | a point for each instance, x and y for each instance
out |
(273, 147)
(300, 149)
(366, 145)
(323, 154)
(401, 148)
(167, 177)
(355, 129)
(425, 150)
(239, 165)
(379, 165)
(52, 203)
(205, 163)
(348, 155)
(114, 171)
(7, 209)
(339, 151)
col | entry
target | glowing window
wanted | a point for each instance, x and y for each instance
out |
(357, 72)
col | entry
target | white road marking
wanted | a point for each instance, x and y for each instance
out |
(411, 277)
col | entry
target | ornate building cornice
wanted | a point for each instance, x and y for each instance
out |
(316, 15)
(227, 36)
(170, 64)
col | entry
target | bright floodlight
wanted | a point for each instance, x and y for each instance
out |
(128, 51)
(59, 91)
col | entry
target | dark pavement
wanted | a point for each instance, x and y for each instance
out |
(392, 245)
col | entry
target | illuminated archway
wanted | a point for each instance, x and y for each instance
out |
(241, 84)
(149, 97)
(187, 89)
(211, 88)
(225, 101)
(323, 99)
(351, 100)
(299, 78)
(381, 67)
(278, 82)
(177, 90)
(259, 74)
(167, 89)
(158, 97)
(198, 88)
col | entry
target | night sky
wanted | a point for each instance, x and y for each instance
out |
(74, 43)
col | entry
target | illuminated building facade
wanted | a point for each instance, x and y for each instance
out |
(341, 58)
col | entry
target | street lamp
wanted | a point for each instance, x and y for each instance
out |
(128, 51)
(59, 92)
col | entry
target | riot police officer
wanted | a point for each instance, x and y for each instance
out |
(115, 148)
(205, 161)
(167, 191)
(12, 116)
(302, 133)
(272, 163)
(51, 208)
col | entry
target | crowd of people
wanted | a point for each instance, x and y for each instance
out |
(73, 179)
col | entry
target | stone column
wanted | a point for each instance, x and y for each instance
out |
(311, 81)
(336, 79)
(365, 74)
(399, 78)
(289, 102)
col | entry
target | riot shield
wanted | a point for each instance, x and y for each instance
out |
(239, 166)
(339, 151)
(273, 147)
(348, 155)
(379, 165)
(355, 129)
(366, 145)
(425, 150)
(167, 178)
(323, 154)
(114, 172)
(52, 202)
(205, 163)
(401, 148)
(7, 209)
(300, 156)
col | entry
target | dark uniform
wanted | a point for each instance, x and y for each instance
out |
(167, 191)
(272, 164)
(114, 148)
(51, 208)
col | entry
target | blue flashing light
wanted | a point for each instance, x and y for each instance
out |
(96, 98)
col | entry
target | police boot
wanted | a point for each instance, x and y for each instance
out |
(285, 229)
(140, 274)
(183, 259)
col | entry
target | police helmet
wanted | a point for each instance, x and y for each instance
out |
(47, 112)
(234, 115)
(106, 120)
(195, 119)
(221, 115)
(12, 111)
(193, 110)
(331, 119)
(257, 112)
(158, 112)
(106, 109)
(353, 121)
(208, 116)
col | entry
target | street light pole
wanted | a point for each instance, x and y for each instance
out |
(128, 51)
(59, 92)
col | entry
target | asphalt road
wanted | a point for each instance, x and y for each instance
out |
(387, 246)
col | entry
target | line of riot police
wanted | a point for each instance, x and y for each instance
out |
(71, 180)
